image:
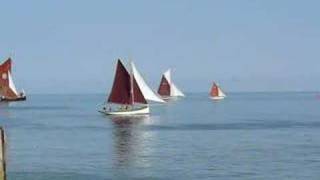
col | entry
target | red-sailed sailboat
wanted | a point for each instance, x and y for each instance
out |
(8, 90)
(167, 89)
(216, 93)
(129, 93)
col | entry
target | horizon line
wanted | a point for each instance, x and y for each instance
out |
(190, 92)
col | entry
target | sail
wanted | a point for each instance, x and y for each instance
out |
(137, 93)
(164, 88)
(7, 87)
(6, 66)
(221, 93)
(11, 84)
(214, 90)
(175, 91)
(167, 75)
(125, 89)
(146, 90)
(120, 92)
(167, 87)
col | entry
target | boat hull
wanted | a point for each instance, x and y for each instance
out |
(142, 110)
(4, 99)
(217, 97)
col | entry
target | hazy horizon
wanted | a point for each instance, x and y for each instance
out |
(68, 47)
(186, 93)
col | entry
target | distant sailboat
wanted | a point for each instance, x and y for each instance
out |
(216, 93)
(167, 88)
(129, 93)
(8, 90)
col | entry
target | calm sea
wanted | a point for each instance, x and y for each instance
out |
(246, 136)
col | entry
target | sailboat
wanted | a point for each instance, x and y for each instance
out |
(216, 93)
(129, 93)
(167, 89)
(8, 90)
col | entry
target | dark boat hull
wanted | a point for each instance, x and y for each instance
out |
(12, 100)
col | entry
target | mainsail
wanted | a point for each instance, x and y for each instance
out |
(125, 89)
(7, 87)
(216, 91)
(6, 65)
(145, 89)
(164, 88)
(167, 87)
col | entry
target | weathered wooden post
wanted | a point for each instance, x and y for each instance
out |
(3, 175)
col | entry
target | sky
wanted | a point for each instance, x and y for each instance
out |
(249, 45)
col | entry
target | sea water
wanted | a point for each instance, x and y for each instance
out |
(245, 136)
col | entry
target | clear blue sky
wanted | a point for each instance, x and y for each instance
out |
(249, 45)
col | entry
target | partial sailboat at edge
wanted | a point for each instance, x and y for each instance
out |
(216, 93)
(167, 89)
(129, 93)
(8, 89)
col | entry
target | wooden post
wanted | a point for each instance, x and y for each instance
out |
(3, 175)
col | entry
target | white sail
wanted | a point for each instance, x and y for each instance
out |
(174, 90)
(145, 89)
(221, 93)
(167, 75)
(11, 84)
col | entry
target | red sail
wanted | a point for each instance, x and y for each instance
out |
(5, 89)
(6, 65)
(164, 88)
(120, 92)
(138, 96)
(214, 90)
(121, 89)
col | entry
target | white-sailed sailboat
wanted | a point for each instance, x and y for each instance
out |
(8, 90)
(129, 93)
(216, 93)
(167, 89)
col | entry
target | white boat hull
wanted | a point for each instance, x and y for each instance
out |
(217, 97)
(143, 110)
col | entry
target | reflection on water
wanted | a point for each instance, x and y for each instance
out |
(131, 143)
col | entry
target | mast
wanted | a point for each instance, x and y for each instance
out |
(131, 84)
(125, 89)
